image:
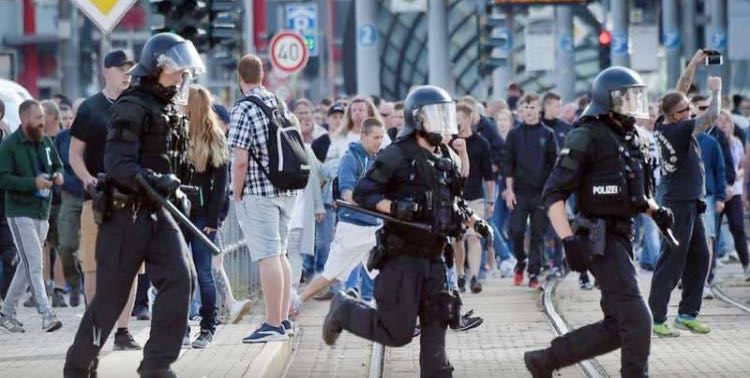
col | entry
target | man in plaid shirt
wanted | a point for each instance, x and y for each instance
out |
(263, 210)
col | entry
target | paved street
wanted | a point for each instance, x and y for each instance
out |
(514, 323)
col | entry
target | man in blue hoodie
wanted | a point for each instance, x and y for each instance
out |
(716, 186)
(355, 232)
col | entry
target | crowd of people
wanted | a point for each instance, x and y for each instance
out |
(309, 247)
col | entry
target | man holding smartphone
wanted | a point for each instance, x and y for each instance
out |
(29, 167)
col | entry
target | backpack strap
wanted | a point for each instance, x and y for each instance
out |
(268, 111)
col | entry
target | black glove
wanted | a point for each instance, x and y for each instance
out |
(483, 228)
(663, 218)
(182, 202)
(576, 253)
(405, 210)
(166, 184)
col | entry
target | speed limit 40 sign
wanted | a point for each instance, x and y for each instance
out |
(288, 52)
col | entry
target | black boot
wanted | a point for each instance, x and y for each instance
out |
(332, 327)
(538, 363)
(156, 373)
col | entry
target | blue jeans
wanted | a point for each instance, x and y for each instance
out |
(202, 259)
(651, 242)
(499, 219)
(323, 239)
(359, 280)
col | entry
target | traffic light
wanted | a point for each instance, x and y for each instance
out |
(207, 23)
(222, 22)
(187, 18)
(605, 49)
(494, 44)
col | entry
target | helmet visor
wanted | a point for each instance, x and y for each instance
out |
(632, 101)
(439, 118)
(183, 90)
(182, 56)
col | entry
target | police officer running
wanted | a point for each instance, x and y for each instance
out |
(414, 179)
(145, 134)
(604, 164)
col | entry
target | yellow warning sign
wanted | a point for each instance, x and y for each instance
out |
(105, 5)
(106, 14)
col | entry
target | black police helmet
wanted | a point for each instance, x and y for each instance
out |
(418, 97)
(157, 45)
(606, 82)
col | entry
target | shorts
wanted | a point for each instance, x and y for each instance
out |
(709, 217)
(351, 247)
(52, 235)
(265, 224)
(89, 230)
(477, 206)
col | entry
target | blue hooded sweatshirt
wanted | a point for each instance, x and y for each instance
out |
(353, 166)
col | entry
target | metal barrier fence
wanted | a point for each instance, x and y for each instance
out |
(241, 269)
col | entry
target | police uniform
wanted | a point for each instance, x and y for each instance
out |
(412, 279)
(143, 138)
(604, 165)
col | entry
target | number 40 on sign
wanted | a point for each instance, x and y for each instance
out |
(288, 52)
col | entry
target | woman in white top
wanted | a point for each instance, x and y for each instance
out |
(359, 109)
(733, 208)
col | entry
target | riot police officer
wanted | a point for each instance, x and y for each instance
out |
(604, 164)
(145, 135)
(414, 179)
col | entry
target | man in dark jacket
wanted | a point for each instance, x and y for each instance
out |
(531, 151)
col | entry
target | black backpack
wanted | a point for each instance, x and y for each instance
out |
(288, 168)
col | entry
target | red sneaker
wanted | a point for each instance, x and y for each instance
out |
(518, 278)
(534, 283)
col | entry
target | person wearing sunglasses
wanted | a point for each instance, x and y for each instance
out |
(683, 191)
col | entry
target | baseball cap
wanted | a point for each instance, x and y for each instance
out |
(337, 108)
(117, 58)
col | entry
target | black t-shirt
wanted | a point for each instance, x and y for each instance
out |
(480, 167)
(681, 165)
(90, 127)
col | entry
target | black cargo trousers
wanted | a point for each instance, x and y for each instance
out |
(627, 319)
(124, 242)
(406, 287)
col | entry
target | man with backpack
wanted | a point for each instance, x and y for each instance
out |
(269, 165)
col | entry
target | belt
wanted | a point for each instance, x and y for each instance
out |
(398, 246)
(621, 227)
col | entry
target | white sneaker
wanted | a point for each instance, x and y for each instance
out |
(239, 309)
(707, 293)
(506, 268)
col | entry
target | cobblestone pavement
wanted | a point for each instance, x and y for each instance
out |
(723, 352)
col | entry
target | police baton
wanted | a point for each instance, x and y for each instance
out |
(377, 214)
(176, 213)
(669, 237)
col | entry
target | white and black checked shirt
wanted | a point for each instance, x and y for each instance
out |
(248, 130)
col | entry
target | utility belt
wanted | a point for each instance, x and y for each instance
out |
(107, 198)
(596, 230)
(389, 245)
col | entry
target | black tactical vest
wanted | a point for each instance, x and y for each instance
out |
(433, 182)
(164, 136)
(614, 179)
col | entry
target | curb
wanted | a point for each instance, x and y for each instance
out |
(271, 361)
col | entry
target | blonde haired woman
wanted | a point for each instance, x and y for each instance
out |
(359, 109)
(208, 154)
